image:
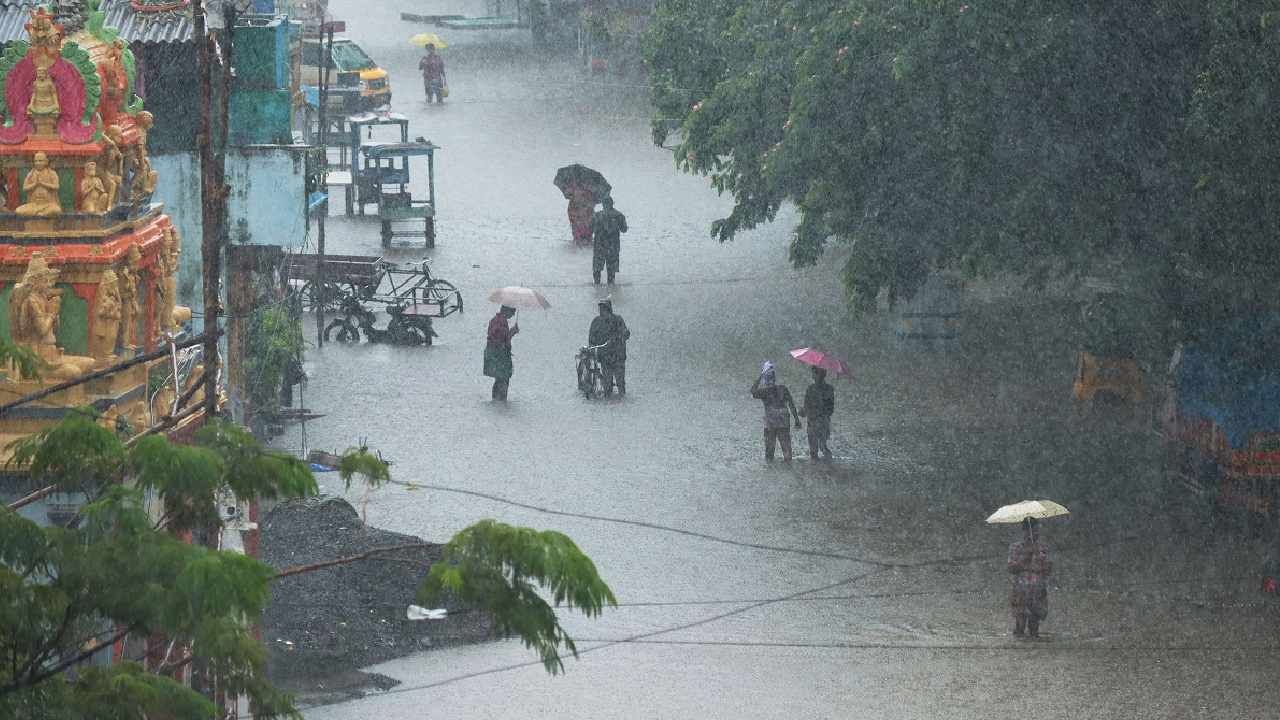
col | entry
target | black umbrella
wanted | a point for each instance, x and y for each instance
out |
(580, 176)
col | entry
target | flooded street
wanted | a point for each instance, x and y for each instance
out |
(869, 587)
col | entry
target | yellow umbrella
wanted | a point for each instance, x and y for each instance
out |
(428, 38)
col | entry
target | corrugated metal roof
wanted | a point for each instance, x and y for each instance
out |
(134, 27)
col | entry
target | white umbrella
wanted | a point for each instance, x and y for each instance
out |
(519, 297)
(1018, 512)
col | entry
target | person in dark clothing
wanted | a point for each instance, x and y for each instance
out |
(432, 68)
(497, 351)
(819, 405)
(777, 400)
(611, 329)
(607, 227)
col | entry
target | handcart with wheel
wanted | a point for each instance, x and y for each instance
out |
(372, 280)
(384, 179)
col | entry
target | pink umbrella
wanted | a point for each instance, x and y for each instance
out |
(822, 359)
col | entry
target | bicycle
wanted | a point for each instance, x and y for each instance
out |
(590, 372)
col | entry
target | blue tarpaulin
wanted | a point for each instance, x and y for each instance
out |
(1234, 381)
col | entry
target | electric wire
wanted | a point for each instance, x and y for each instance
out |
(953, 560)
(633, 638)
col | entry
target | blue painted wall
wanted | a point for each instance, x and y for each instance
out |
(267, 205)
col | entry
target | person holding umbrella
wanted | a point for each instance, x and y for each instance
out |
(819, 406)
(432, 68)
(497, 351)
(819, 398)
(583, 188)
(1029, 563)
(1030, 566)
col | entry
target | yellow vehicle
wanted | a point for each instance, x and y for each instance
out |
(1107, 371)
(350, 66)
(1108, 380)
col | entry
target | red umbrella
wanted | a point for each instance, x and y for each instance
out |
(822, 359)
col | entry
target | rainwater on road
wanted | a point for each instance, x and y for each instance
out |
(865, 588)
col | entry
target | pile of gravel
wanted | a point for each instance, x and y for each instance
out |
(329, 622)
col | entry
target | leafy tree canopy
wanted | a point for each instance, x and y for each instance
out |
(122, 568)
(1020, 137)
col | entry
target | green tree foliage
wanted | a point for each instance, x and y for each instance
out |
(1030, 138)
(121, 568)
(500, 568)
(275, 338)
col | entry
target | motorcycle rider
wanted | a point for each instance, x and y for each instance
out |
(611, 331)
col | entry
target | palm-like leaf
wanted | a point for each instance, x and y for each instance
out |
(500, 568)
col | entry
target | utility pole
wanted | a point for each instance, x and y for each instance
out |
(212, 190)
(318, 289)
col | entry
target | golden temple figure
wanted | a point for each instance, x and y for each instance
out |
(44, 108)
(33, 318)
(166, 291)
(142, 184)
(144, 181)
(112, 169)
(45, 34)
(94, 197)
(115, 83)
(106, 319)
(83, 281)
(41, 187)
(129, 306)
(181, 313)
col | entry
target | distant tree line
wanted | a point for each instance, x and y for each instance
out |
(1026, 138)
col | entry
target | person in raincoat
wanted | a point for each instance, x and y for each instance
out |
(819, 405)
(497, 351)
(607, 227)
(611, 331)
(1030, 566)
(582, 206)
(777, 400)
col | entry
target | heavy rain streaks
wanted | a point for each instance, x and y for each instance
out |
(867, 587)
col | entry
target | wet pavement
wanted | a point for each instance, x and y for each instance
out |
(864, 588)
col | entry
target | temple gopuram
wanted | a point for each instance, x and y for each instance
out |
(88, 262)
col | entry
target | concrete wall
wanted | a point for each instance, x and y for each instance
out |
(267, 205)
(179, 190)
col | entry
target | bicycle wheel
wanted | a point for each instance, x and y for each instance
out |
(346, 332)
(443, 294)
(584, 379)
(597, 383)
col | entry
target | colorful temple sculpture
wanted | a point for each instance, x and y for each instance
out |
(88, 262)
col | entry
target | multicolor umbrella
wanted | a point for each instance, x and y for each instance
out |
(1018, 512)
(821, 358)
(574, 177)
(428, 38)
(519, 297)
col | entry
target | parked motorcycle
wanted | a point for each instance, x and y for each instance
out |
(402, 329)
